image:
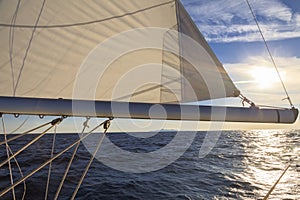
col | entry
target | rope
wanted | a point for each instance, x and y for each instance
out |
(272, 59)
(21, 173)
(275, 184)
(22, 134)
(50, 165)
(245, 99)
(54, 122)
(47, 162)
(16, 161)
(106, 126)
(20, 126)
(8, 156)
(85, 125)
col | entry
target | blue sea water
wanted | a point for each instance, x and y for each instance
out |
(241, 165)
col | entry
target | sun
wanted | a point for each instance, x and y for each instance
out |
(265, 77)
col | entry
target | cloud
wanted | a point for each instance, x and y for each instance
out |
(233, 21)
(242, 75)
(297, 19)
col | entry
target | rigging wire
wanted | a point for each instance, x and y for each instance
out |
(246, 100)
(275, 184)
(26, 132)
(8, 156)
(85, 125)
(53, 123)
(18, 166)
(21, 173)
(50, 164)
(282, 83)
(47, 162)
(269, 52)
(106, 126)
(20, 126)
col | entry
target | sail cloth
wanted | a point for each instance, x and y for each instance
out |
(136, 51)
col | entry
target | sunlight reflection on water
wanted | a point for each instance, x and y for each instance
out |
(242, 165)
(270, 152)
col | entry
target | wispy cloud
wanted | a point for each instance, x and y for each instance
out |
(242, 75)
(231, 20)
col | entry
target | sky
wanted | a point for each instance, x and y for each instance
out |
(233, 35)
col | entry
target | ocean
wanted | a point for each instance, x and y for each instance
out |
(240, 165)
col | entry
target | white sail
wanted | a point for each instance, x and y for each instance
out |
(136, 51)
(44, 46)
(138, 59)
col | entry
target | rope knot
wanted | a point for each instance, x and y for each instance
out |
(106, 124)
(85, 124)
(56, 121)
(245, 99)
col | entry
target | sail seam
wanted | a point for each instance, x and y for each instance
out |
(28, 47)
(83, 23)
(11, 43)
(180, 48)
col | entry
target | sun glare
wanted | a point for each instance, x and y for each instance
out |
(265, 77)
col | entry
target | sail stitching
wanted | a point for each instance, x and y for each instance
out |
(11, 42)
(178, 16)
(84, 23)
(28, 47)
